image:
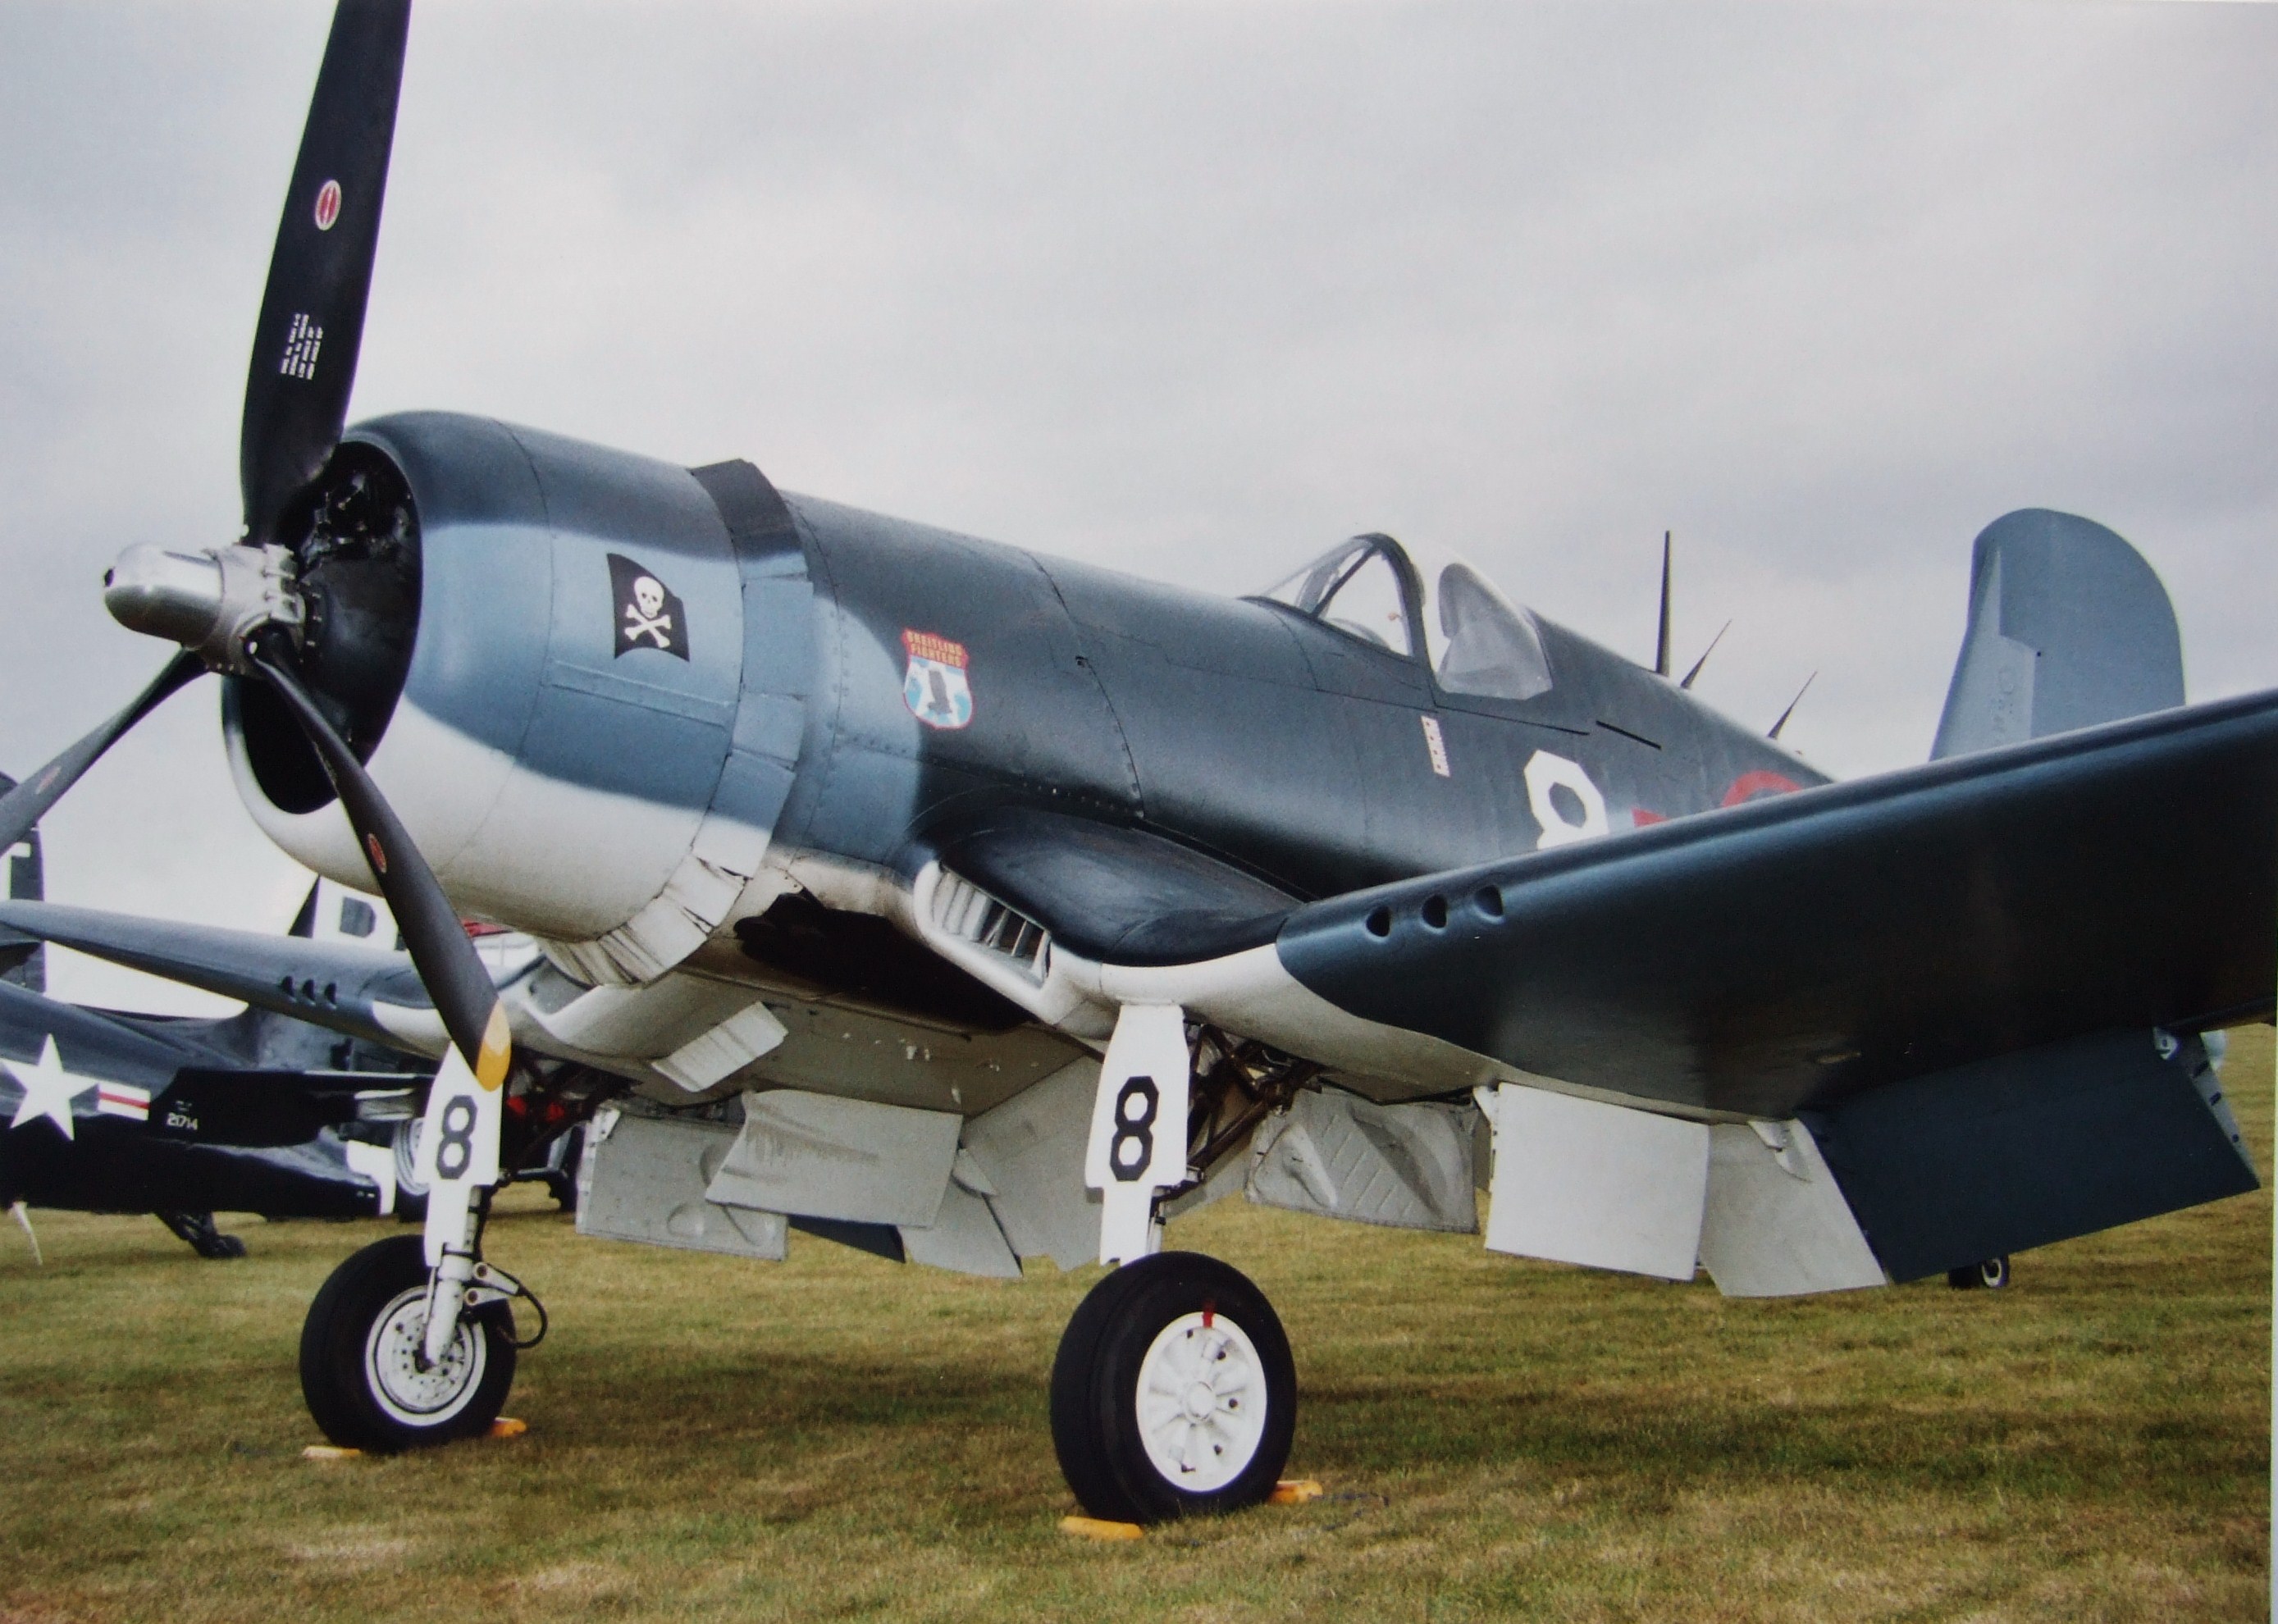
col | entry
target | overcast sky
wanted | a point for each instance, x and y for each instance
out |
(1192, 290)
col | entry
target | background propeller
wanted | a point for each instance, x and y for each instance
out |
(27, 803)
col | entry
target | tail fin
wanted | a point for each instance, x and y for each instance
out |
(2069, 626)
(25, 959)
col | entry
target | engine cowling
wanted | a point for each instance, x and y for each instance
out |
(539, 648)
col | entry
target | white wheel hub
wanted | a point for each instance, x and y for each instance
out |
(412, 1396)
(1202, 1402)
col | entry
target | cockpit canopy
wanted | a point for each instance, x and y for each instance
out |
(1375, 589)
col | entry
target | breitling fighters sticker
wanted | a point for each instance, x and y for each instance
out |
(648, 615)
(934, 687)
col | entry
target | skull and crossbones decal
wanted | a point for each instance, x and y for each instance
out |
(645, 616)
(649, 616)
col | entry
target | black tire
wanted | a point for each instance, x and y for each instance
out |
(361, 1317)
(1992, 1275)
(1098, 1430)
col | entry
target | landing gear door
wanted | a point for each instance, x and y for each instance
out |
(1138, 1144)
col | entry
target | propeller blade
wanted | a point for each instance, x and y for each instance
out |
(23, 806)
(311, 323)
(447, 961)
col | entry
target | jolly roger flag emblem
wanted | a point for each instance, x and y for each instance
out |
(649, 616)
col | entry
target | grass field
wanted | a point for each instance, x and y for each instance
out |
(838, 1438)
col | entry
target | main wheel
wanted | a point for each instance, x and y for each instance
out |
(360, 1356)
(1992, 1275)
(1174, 1391)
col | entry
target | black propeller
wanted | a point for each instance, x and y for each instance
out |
(446, 960)
(296, 398)
(239, 609)
(311, 325)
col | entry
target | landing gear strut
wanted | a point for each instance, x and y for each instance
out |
(1174, 1391)
(197, 1228)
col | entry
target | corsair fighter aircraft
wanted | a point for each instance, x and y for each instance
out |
(974, 905)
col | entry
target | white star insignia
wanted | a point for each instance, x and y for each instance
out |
(49, 1090)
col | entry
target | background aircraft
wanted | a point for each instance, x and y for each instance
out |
(259, 1112)
(109, 1111)
(981, 906)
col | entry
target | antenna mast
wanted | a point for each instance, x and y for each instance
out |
(1660, 649)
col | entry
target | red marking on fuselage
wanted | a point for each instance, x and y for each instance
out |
(932, 646)
(1640, 817)
(1749, 785)
(328, 205)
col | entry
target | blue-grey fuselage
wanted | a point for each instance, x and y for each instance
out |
(1307, 756)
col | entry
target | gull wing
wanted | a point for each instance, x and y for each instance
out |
(1771, 957)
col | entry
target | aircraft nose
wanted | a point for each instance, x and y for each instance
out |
(163, 594)
(209, 601)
